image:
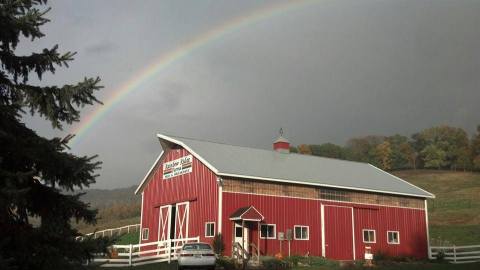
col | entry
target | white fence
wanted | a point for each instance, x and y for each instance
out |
(133, 255)
(457, 254)
(112, 232)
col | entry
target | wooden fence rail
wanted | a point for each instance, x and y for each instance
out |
(133, 255)
(113, 231)
(457, 254)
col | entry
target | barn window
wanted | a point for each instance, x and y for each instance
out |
(145, 234)
(210, 229)
(393, 237)
(369, 236)
(335, 195)
(301, 232)
(268, 231)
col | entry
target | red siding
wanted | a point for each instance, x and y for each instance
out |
(199, 187)
(286, 212)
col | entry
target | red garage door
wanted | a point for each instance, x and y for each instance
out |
(338, 232)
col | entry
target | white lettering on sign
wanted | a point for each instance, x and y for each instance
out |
(177, 167)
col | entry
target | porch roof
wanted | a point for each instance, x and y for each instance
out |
(248, 213)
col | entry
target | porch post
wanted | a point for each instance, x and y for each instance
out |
(243, 236)
(258, 241)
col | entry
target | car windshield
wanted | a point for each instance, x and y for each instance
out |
(196, 246)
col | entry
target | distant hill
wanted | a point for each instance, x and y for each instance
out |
(102, 198)
(116, 207)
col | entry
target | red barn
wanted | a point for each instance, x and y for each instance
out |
(265, 202)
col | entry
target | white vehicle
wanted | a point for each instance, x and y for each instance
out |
(195, 255)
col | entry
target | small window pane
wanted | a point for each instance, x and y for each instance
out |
(267, 231)
(238, 231)
(145, 234)
(209, 229)
(369, 236)
(393, 238)
(301, 232)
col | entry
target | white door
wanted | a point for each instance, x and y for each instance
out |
(239, 233)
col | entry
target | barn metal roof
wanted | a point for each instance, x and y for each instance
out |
(252, 163)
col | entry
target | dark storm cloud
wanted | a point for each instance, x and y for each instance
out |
(329, 72)
(101, 47)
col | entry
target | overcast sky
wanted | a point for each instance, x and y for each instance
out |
(325, 73)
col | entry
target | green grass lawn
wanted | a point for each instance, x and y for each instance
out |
(129, 238)
(454, 215)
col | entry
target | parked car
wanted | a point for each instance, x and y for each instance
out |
(199, 255)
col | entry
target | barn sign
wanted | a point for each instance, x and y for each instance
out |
(177, 167)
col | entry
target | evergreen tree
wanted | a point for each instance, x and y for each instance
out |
(35, 173)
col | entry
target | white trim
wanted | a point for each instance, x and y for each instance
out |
(322, 200)
(353, 235)
(143, 234)
(301, 227)
(398, 238)
(428, 232)
(322, 219)
(274, 231)
(406, 182)
(374, 236)
(251, 206)
(220, 207)
(206, 229)
(141, 222)
(247, 219)
(148, 173)
(320, 185)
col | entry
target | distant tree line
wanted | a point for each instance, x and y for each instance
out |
(441, 147)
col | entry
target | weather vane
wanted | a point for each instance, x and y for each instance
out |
(281, 132)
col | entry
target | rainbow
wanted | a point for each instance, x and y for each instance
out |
(166, 60)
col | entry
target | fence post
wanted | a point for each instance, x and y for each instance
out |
(169, 250)
(454, 254)
(128, 229)
(130, 255)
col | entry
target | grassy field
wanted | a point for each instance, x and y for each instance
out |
(130, 238)
(454, 215)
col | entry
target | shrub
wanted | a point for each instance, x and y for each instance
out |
(380, 255)
(226, 263)
(320, 261)
(218, 244)
(275, 264)
(295, 259)
(440, 257)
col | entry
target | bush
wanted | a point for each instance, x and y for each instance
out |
(320, 261)
(218, 244)
(276, 264)
(380, 256)
(226, 263)
(440, 257)
(295, 259)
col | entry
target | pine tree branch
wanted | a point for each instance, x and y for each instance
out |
(59, 104)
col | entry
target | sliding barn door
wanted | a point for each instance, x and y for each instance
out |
(164, 221)
(181, 220)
